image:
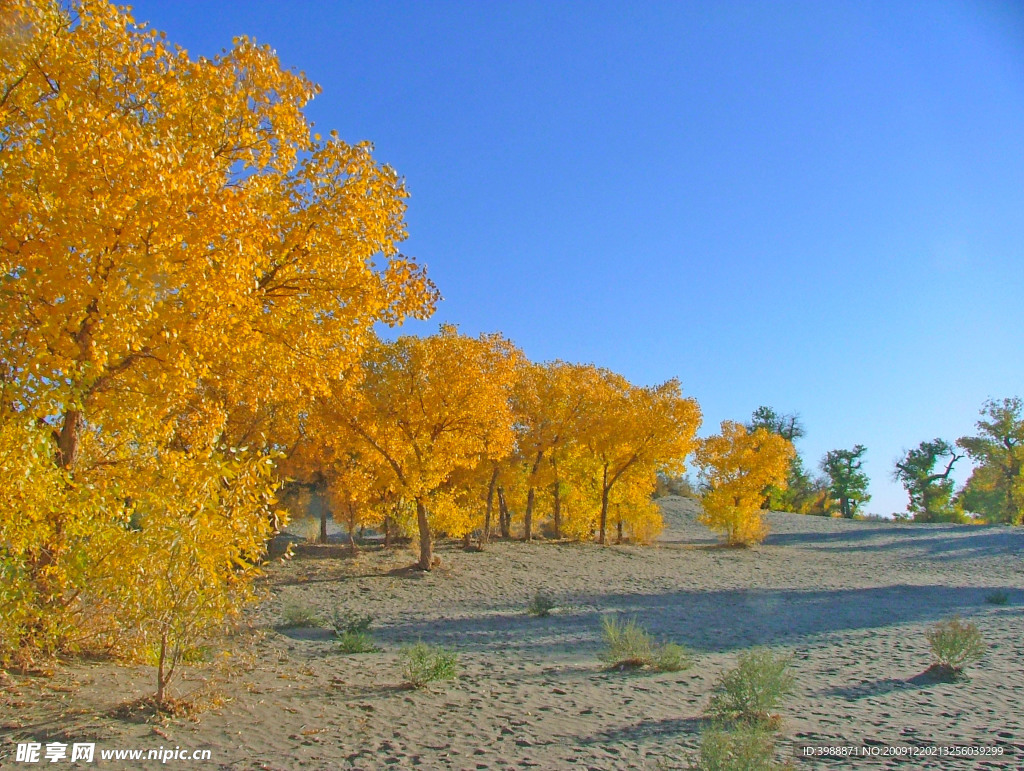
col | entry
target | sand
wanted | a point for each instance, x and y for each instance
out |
(850, 601)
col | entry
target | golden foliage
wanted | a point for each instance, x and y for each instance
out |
(182, 267)
(736, 467)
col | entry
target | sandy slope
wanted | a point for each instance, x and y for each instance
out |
(850, 600)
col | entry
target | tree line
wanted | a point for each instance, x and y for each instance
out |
(994, 492)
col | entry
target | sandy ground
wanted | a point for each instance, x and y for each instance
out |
(851, 601)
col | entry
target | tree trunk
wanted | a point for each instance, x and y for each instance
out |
(603, 538)
(323, 523)
(426, 544)
(352, 530)
(528, 517)
(504, 518)
(67, 440)
(490, 506)
(387, 531)
(558, 511)
(619, 538)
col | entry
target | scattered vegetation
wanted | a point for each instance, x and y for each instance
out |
(998, 597)
(955, 644)
(541, 605)
(752, 691)
(423, 664)
(629, 646)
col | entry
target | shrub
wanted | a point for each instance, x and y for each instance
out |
(297, 614)
(423, 664)
(344, 622)
(629, 646)
(955, 643)
(998, 597)
(356, 642)
(742, 747)
(750, 692)
(353, 631)
(541, 605)
(671, 657)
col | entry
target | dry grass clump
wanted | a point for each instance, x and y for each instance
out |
(629, 646)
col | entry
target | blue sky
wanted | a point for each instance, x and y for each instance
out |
(815, 206)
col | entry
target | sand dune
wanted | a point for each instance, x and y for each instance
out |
(850, 600)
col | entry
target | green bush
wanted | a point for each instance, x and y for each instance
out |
(753, 690)
(423, 664)
(354, 623)
(741, 747)
(998, 597)
(541, 605)
(629, 646)
(671, 657)
(954, 644)
(356, 642)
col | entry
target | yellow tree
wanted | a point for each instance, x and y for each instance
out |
(736, 467)
(181, 264)
(548, 402)
(630, 426)
(430, 407)
(171, 222)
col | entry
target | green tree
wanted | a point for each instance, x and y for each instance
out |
(930, 491)
(848, 483)
(996, 487)
(799, 492)
(787, 426)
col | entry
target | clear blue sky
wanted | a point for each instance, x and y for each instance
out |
(816, 206)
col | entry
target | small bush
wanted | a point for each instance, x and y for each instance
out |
(298, 614)
(629, 646)
(753, 690)
(955, 643)
(356, 642)
(628, 643)
(541, 605)
(423, 664)
(671, 657)
(351, 623)
(742, 747)
(998, 597)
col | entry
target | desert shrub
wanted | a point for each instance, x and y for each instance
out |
(998, 597)
(423, 664)
(353, 631)
(672, 657)
(299, 614)
(344, 621)
(628, 645)
(356, 642)
(740, 747)
(750, 692)
(541, 605)
(954, 644)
